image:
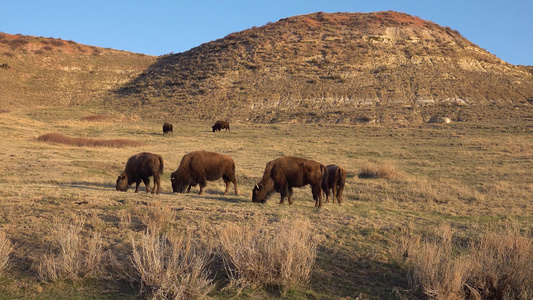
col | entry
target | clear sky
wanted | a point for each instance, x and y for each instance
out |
(156, 27)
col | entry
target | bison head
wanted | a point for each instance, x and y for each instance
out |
(259, 194)
(179, 182)
(122, 182)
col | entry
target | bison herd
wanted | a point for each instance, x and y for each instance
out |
(196, 168)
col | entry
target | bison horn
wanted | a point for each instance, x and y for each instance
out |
(257, 186)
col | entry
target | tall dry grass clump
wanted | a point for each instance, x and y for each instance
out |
(171, 265)
(6, 247)
(433, 265)
(503, 266)
(75, 256)
(258, 255)
(56, 138)
(499, 266)
(380, 170)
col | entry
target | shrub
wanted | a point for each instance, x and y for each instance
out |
(6, 247)
(255, 255)
(433, 267)
(499, 266)
(97, 118)
(375, 170)
(55, 138)
(171, 266)
(503, 266)
(75, 257)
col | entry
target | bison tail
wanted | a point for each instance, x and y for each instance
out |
(324, 178)
(161, 165)
(341, 175)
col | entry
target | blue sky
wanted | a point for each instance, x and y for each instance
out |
(156, 27)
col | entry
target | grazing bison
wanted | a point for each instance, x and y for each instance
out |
(220, 125)
(284, 173)
(168, 128)
(140, 167)
(198, 167)
(336, 180)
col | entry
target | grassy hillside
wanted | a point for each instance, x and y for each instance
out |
(466, 180)
(38, 71)
(339, 68)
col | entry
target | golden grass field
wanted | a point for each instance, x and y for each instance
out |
(466, 178)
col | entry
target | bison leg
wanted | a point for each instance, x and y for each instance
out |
(157, 182)
(317, 195)
(189, 188)
(290, 196)
(339, 193)
(137, 183)
(284, 191)
(147, 184)
(334, 193)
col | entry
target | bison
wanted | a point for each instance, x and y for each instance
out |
(336, 180)
(284, 173)
(220, 125)
(140, 167)
(198, 167)
(168, 128)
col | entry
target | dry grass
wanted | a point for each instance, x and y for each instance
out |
(171, 266)
(75, 257)
(6, 248)
(380, 170)
(97, 118)
(56, 138)
(257, 255)
(499, 266)
(475, 177)
(503, 266)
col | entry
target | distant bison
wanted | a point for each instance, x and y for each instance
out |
(336, 181)
(140, 167)
(220, 125)
(284, 173)
(198, 167)
(168, 128)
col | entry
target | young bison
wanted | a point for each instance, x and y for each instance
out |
(336, 181)
(140, 167)
(168, 128)
(198, 167)
(220, 125)
(284, 173)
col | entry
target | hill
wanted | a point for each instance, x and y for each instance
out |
(340, 67)
(38, 71)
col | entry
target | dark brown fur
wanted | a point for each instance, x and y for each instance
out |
(198, 167)
(168, 128)
(140, 167)
(336, 181)
(220, 125)
(284, 173)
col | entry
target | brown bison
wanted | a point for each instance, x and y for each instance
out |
(168, 128)
(336, 180)
(220, 125)
(140, 167)
(198, 167)
(284, 173)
